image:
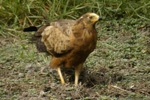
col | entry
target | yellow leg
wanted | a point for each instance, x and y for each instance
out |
(77, 73)
(60, 75)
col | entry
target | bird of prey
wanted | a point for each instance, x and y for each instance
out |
(69, 42)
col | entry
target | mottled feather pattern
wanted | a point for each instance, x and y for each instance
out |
(61, 44)
(68, 41)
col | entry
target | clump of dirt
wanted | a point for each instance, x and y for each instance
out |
(62, 92)
(90, 77)
(100, 75)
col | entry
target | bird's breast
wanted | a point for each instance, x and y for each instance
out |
(83, 46)
(87, 41)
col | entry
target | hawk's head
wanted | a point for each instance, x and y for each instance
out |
(90, 18)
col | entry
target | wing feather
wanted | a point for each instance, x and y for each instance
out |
(56, 37)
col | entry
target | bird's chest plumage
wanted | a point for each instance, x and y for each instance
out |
(83, 46)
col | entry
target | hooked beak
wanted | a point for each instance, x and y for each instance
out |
(99, 18)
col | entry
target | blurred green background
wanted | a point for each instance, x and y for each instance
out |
(24, 12)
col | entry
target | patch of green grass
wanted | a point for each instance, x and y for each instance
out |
(24, 12)
(33, 91)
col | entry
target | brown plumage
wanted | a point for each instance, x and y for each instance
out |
(68, 41)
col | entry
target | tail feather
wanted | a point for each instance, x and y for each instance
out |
(30, 29)
(36, 38)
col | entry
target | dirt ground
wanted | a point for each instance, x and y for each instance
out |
(26, 75)
(93, 85)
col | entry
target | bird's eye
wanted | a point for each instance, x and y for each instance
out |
(91, 17)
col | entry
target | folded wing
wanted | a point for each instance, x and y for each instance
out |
(56, 36)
